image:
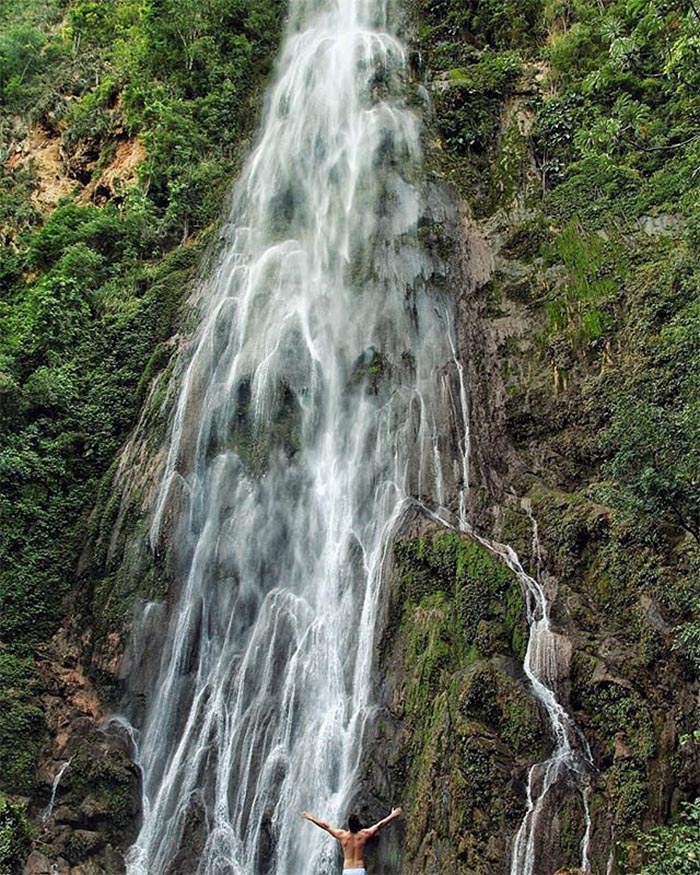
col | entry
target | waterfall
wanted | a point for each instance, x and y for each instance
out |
(570, 764)
(48, 811)
(571, 760)
(319, 394)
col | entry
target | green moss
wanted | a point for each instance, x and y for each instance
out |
(511, 164)
(103, 787)
(82, 844)
(477, 695)
(571, 818)
(628, 789)
(477, 583)
(527, 240)
(615, 710)
(427, 633)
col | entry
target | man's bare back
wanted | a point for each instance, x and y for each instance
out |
(353, 840)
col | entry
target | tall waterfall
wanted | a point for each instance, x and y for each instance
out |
(319, 394)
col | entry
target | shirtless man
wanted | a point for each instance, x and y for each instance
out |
(353, 839)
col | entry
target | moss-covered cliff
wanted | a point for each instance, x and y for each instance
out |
(123, 123)
(571, 131)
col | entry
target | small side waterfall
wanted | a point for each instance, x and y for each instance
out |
(322, 391)
(48, 811)
(571, 761)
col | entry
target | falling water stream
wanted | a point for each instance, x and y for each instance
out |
(570, 761)
(321, 391)
(570, 764)
(48, 811)
(321, 395)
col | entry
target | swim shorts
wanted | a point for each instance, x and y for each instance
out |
(362, 871)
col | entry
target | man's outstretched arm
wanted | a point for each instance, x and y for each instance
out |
(322, 823)
(373, 830)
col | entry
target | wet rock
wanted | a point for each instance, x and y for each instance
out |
(64, 814)
(456, 726)
(187, 858)
(97, 799)
(113, 861)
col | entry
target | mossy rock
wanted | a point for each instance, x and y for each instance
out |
(628, 788)
(82, 844)
(102, 786)
(478, 593)
(468, 724)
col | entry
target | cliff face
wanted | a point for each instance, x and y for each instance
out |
(459, 728)
(557, 335)
(558, 143)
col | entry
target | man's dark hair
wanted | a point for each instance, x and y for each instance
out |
(354, 823)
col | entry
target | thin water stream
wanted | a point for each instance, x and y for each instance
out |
(321, 390)
(571, 761)
(570, 765)
(48, 811)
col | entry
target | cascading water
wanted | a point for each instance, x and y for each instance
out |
(570, 764)
(321, 391)
(571, 760)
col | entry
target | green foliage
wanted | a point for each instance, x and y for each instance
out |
(657, 461)
(628, 789)
(14, 837)
(578, 304)
(508, 24)
(468, 111)
(674, 848)
(30, 50)
(21, 725)
(89, 296)
(485, 24)
(629, 71)
(20, 59)
(615, 710)
(559, 118)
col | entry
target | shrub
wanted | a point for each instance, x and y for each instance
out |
(14, 837)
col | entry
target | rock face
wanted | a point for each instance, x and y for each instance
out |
(88, 800)
(457, 727)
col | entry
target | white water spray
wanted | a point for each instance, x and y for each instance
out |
(320, 393)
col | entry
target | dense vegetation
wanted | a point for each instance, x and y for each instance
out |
(89, 289)
(608, 227)
(674, 848)
(602, 179)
